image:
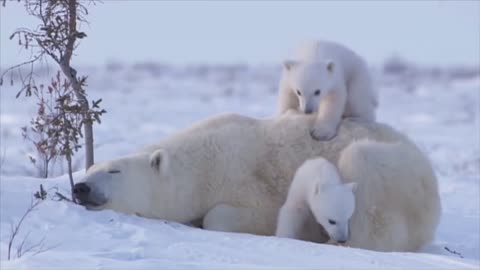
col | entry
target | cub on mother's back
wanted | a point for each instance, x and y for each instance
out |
(330, 80)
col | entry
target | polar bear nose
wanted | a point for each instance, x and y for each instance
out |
(81, 191)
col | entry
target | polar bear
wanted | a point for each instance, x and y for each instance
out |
(238, 166)
(388, 209)
(329, 80)
(385, 210)
(317, 188)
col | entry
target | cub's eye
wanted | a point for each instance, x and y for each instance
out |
(299, 93)
(114, 171)
(317, 92)
(332, 222)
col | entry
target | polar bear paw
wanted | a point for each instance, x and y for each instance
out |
(323, 132)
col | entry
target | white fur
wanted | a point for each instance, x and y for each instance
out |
(395, 209)
(317, 188)
(329, 80)
(231, 165)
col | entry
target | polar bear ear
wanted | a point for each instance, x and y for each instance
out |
(330, 66)
(159, 160)
(353, 186)
(289, 64)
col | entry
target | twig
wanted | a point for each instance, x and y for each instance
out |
(16, 228)
(21, 64)
(62, 197)
(454, 252)
(38, 246)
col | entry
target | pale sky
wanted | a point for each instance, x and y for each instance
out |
(426, 32)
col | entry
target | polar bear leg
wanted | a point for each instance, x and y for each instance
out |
(227, 218)
(291, 221)
(286, 99)
(223, 217)
(329, 115)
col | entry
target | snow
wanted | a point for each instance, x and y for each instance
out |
(149, 101)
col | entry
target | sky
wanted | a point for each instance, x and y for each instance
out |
(264, 32)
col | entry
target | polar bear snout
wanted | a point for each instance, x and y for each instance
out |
(81, 191)
(309, 110)
(87, 197)
(340, 237)
(311, 105)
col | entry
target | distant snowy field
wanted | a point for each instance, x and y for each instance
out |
(147, 102)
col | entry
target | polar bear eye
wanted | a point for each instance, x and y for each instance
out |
(332, 222)
(299, 93)
(114, 171)
(317, 92)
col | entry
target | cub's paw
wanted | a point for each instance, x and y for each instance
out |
(323, 133)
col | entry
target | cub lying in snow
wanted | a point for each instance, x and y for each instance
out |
(317, 188)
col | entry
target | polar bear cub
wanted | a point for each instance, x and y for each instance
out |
(330, 80)
(317, 189)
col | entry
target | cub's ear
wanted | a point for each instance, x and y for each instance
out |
(159, 160)
(353, 186)
(330, 66)
(289, 64)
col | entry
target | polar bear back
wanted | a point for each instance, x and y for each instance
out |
(397, 201)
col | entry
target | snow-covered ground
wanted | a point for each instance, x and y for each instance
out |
(148, 101)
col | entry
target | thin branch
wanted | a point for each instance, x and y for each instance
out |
(72, 24)
(20, 247)
(41, 249)
(22, 64)
(47, 51)
(62, 197)
(453, 252)
(38, 246)
(16, 228)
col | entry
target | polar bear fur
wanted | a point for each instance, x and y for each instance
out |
(329, 80)
(317, 188)
(231, 165)
(394, 205)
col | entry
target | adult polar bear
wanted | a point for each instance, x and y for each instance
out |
(233, 165)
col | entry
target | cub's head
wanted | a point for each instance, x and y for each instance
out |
(332, 206)
(126, 184)
(310, 82)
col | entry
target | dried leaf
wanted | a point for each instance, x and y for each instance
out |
(80, 35)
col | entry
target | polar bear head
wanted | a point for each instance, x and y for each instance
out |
(310, 81)
(129, 184)
(332, 206)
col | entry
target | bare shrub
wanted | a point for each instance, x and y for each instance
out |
(56, 37)
(57, 127)
(21, 248)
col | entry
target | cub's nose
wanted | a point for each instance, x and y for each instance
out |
(81, 191)
(308, 111)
